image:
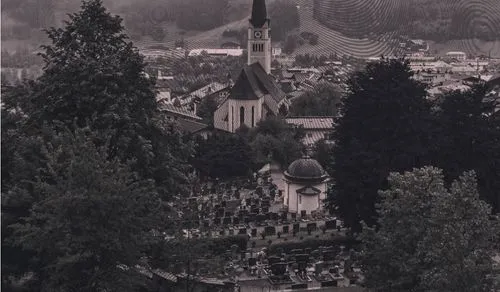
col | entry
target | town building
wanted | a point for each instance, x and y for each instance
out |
(305, 186)
(315, 128)
(255, 94)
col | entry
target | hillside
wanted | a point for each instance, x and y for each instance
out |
(438, 21)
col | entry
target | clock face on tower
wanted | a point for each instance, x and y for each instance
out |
(257, 34)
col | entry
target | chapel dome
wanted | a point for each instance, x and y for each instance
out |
(305, 168)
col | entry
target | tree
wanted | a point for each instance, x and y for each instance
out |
(323, 100)
(323, 153)
(274, 140)
(430, 238)
(290, 44)
(92, 214)
(468, 135)
(383, 127)
(207, 108)
(223, 155)
(94, 77)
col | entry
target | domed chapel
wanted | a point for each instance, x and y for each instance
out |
(305, 186)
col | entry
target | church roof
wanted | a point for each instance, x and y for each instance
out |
(259, 13)
(254, 83)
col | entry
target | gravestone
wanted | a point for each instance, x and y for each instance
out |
(299, 286)
(273, 260)
(270, 230)
(278, 269)
(331, 283)
(311, 226)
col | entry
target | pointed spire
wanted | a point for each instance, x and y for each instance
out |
(259, 13)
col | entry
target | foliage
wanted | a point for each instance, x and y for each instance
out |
(94, 77)
(307, 60)
(291, 44)
(468, 138)
(223, 155)
(323, 100)
(91, 214)
(430, 238)
(285, 18)
(198, 71)
(35, 13)
(207, 108)
(273, 140)
(208, 14)
(322, 152)
(383, 127)
(418, 19)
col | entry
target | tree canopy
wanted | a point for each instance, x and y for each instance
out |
(66, 188)
(430, 238)
(91, 214)
(468, 138)
(323, 100)
(384, 127)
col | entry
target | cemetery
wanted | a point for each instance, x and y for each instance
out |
(284, 250)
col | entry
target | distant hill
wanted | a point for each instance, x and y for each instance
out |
(436, 20)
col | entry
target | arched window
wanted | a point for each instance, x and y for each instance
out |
(242, 116)
(253, 116)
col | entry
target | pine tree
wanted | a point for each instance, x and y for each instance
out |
(469, 139)
(383, 128)
(94, 77)
(92, 215)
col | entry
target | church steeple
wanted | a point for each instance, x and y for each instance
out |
(259, 36)
(259, 13)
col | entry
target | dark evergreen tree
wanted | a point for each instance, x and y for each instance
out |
(91, 214)
(469, 139)
(223, 155)
(94, 77)
(383, 127)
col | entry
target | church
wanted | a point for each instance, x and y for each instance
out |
(255, 94)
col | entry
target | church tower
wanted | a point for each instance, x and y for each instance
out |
(259, 36)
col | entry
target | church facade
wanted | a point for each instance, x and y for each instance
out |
(255, 94)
